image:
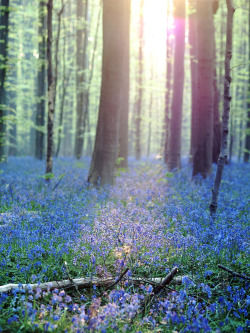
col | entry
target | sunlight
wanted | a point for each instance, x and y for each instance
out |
(155, 27)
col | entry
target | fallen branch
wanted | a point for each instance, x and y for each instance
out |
(243, 276)
(118, 280)
(82, 283)
(147, 300)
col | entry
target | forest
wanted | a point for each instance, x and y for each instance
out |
(125, 166)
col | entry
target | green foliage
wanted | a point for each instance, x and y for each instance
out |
(48, 176)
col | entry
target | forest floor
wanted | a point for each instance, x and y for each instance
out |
(149, 222)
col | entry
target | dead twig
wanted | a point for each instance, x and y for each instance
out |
(118, 280)
(147, 300)
(243, 276)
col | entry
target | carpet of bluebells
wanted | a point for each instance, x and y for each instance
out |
(149, 222)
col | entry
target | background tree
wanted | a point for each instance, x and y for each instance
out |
(50, 123)
(174, 154)
(138, 104)
(192, 21)
(4, 24)
(169, 75)
(41, 81)
(226, 111)
(247, 140)
(107, 135)
(202, 162)
(123, 126)
(81, 74)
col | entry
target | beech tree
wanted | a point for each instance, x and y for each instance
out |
(41, 81)
(4, 25)
(174, 154)
(168, 87)
(226, 111)
(102, 169)
(138, 105)
(192, 22)
(81, 74)
(123, 126)
(202, 162)
(50, 123)
(247, 140)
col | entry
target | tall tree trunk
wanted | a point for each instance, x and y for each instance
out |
(247, 140)
(226, 111)
(65, 83)
(202, 162)
(168, 86)
(174, 154)
(216, 122)
(194, 75)
(4, 23)
(140, 89)
(57, 40)
(41, 83)
(81, 76)
(123, 127)
(107, 135)
(49, 160)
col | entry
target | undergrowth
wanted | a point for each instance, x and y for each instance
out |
(150, 222)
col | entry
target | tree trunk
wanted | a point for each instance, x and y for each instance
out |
(168, 87)
(216, 122)
(4, 23)
(226, 111)
(123, 127)
(49, 160)
(138, 105)
(247, 140)
(81, 76)
(194, 75)
(174, 154)
(202, 162)
(40, 108)
(102, 168)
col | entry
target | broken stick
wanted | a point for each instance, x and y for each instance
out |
(243, 276)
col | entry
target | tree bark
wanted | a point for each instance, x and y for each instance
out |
(49, 160)
(81, 76)
(226, 111)
(194, 75)
(247, 140)
(168, 87)
(123, 127)
(4, 23)
(40, 107)
(174, 154)
(202, 163)
(138, 105)
(104, 157)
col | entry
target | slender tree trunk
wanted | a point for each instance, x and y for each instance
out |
(40, 107)
(81, 79)
(123, 127)
(65, 83)
(49, 160)
(226, 111)
(4, 23)
(140, 88)
(168, 96)
(174, 154)
(247, 140)
(216, 122)
(102, 168)
(202, 163)
(194, 75)
(57, 40)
